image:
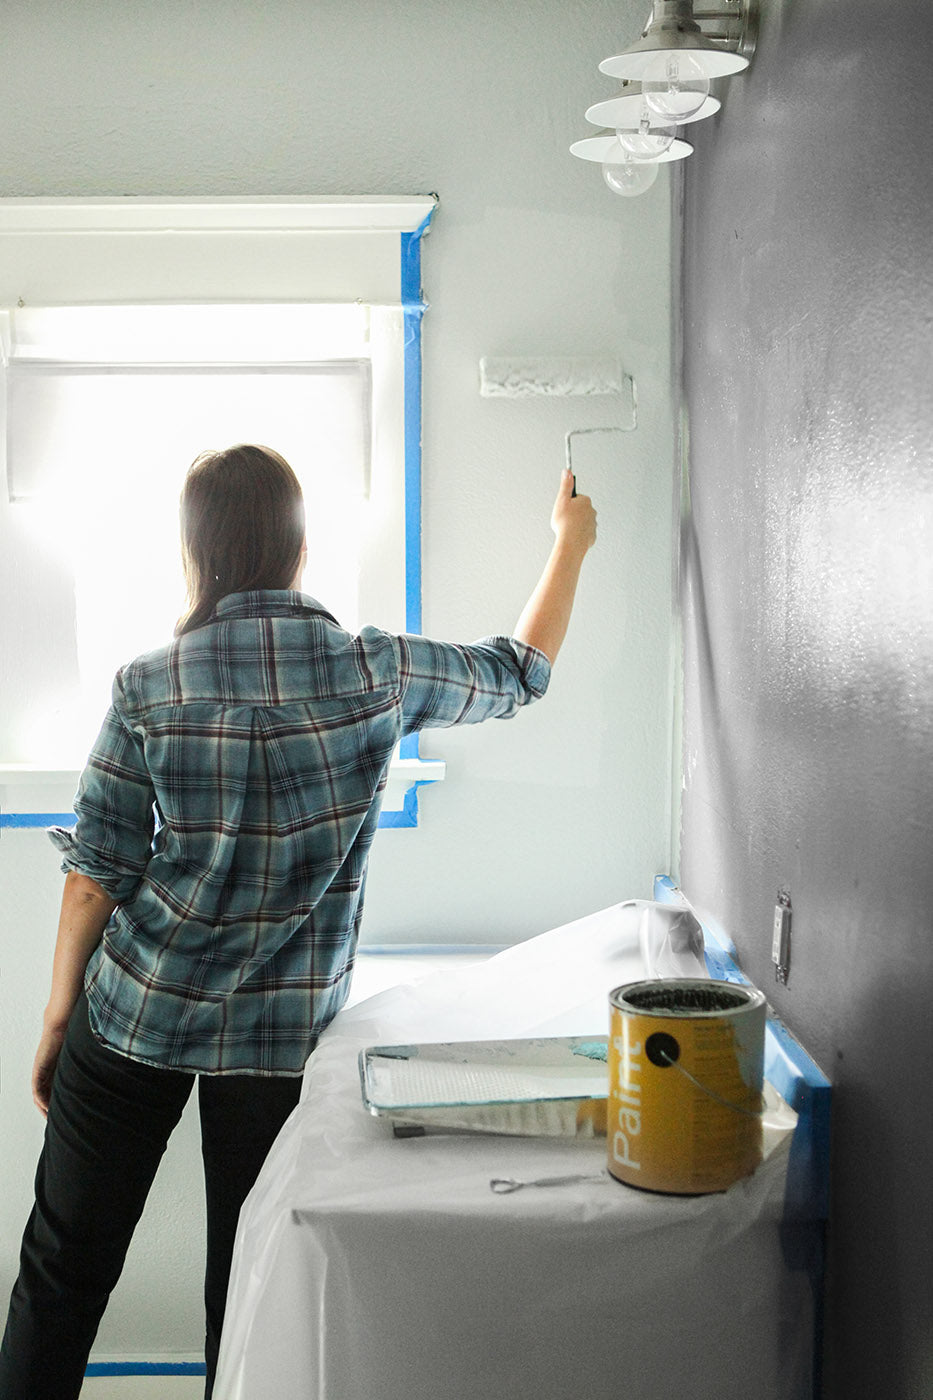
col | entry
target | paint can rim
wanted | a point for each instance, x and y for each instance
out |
(682, 997)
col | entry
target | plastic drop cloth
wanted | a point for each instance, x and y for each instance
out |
(374, 1268)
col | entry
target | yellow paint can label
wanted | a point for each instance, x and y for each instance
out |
(686, 1067)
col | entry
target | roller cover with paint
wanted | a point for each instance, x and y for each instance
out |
(551, 377)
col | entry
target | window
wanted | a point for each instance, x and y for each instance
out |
(108, 400)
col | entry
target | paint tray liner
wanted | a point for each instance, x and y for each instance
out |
(547, 1086)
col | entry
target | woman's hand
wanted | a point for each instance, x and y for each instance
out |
(546, 615)
(573, 518)
(43, 1069)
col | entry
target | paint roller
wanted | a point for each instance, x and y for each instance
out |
(559, 377)
(550, 377)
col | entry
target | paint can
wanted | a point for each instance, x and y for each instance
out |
(686, 1067)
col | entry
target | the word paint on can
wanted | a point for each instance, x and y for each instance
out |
(686, 1067)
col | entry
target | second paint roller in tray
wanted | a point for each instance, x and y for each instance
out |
(542, 376)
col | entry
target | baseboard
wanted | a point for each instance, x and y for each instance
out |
(172, 1365)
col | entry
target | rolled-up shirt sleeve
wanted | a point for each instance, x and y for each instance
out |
(112, 841)
(443, 684)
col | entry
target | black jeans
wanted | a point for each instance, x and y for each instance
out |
(109, 1121)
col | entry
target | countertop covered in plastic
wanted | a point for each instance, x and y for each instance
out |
(370, 1267)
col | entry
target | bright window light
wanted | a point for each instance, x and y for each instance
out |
(106, 409)
(293, 333)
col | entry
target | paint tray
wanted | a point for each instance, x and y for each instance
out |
(545, 1087)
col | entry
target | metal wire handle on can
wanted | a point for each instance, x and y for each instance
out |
(704, 1088)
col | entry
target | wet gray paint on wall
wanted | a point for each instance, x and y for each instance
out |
(807, 590)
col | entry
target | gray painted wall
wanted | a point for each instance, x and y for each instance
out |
(807, 593)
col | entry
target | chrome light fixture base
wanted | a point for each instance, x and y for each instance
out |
(721, 39)
(666, 77)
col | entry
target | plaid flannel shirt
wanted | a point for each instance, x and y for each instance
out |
(229, 805)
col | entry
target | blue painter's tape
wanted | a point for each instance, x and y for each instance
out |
(412, 353)
(413, 308)
(425, 222)
(146, 1368)
(408, 816)
(720, 966)
(802, 1084)
(411, 264)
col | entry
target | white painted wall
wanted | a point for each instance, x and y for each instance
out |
(567, 808)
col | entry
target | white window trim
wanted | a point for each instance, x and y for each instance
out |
(132, 214)
(34, 269)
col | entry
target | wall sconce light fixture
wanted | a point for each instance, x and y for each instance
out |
(666, 78)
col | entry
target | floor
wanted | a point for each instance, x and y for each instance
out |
(143, 1388)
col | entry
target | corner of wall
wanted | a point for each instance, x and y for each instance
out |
(680, 487)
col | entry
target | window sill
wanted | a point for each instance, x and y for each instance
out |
(405, 777)
(35, 795)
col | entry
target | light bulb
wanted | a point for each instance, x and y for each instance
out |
(648, 142)
(674, 85)
(627, 176)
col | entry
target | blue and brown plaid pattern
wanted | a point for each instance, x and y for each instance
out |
(229, 805)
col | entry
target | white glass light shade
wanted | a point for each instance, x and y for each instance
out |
(674, 85)
(627, 176)
(599, 147)
(625, 110)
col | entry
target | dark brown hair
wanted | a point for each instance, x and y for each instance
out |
(242, 527)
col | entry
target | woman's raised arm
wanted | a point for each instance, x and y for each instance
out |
(546, 615)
